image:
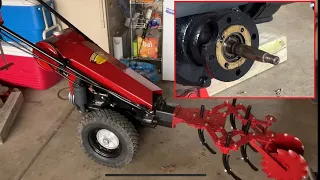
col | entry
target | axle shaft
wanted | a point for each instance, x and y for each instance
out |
(251, 53)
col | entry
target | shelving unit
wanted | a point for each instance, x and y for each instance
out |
(140, 23)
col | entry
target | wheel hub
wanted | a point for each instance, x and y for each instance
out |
(107, 139)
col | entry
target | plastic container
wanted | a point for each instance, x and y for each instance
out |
(27, 18)
(25, 71)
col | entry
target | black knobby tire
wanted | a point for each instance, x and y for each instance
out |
(117, 124)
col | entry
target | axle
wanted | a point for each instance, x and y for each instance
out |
(250, 53)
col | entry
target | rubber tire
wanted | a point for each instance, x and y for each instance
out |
(116, 123)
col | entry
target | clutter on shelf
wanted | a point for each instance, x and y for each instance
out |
(145, 24)
(147, 47)
(147, 70)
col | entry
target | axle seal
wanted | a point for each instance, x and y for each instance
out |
(235, 33)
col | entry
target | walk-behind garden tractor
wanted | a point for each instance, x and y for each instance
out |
(113, 98)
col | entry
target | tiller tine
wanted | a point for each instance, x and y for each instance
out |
(245, 129)
(233, 121)
(232, 117)
(246, 159)
(225, 158)
(282, 153)
(204, 143)
(201, 135)
(225, 161)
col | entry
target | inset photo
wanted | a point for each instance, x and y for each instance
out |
(245, 49)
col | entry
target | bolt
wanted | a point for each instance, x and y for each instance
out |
(241, 29)
(203, 80)
(106, 141)
(206, 124)
(225, 170)
(226, 65)
(235, 145)
(272, 135)
(253, 134)
(285, 134)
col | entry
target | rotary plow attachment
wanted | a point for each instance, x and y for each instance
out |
(282, 154)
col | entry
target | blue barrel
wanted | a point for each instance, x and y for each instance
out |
(25, 17)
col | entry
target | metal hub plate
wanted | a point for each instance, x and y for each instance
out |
(237, 33)
(219, 66)
(107, 139)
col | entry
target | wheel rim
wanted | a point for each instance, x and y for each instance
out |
(105, 143)
(107, 139)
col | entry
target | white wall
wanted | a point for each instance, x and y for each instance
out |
(168, 41)
(89, 16)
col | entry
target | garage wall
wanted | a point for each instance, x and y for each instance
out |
(89, 16)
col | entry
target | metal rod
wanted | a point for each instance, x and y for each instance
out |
(3, 56)
(251, 53)
(202, 108)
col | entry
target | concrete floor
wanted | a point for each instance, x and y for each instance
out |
(42, 143)
(296, 75)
